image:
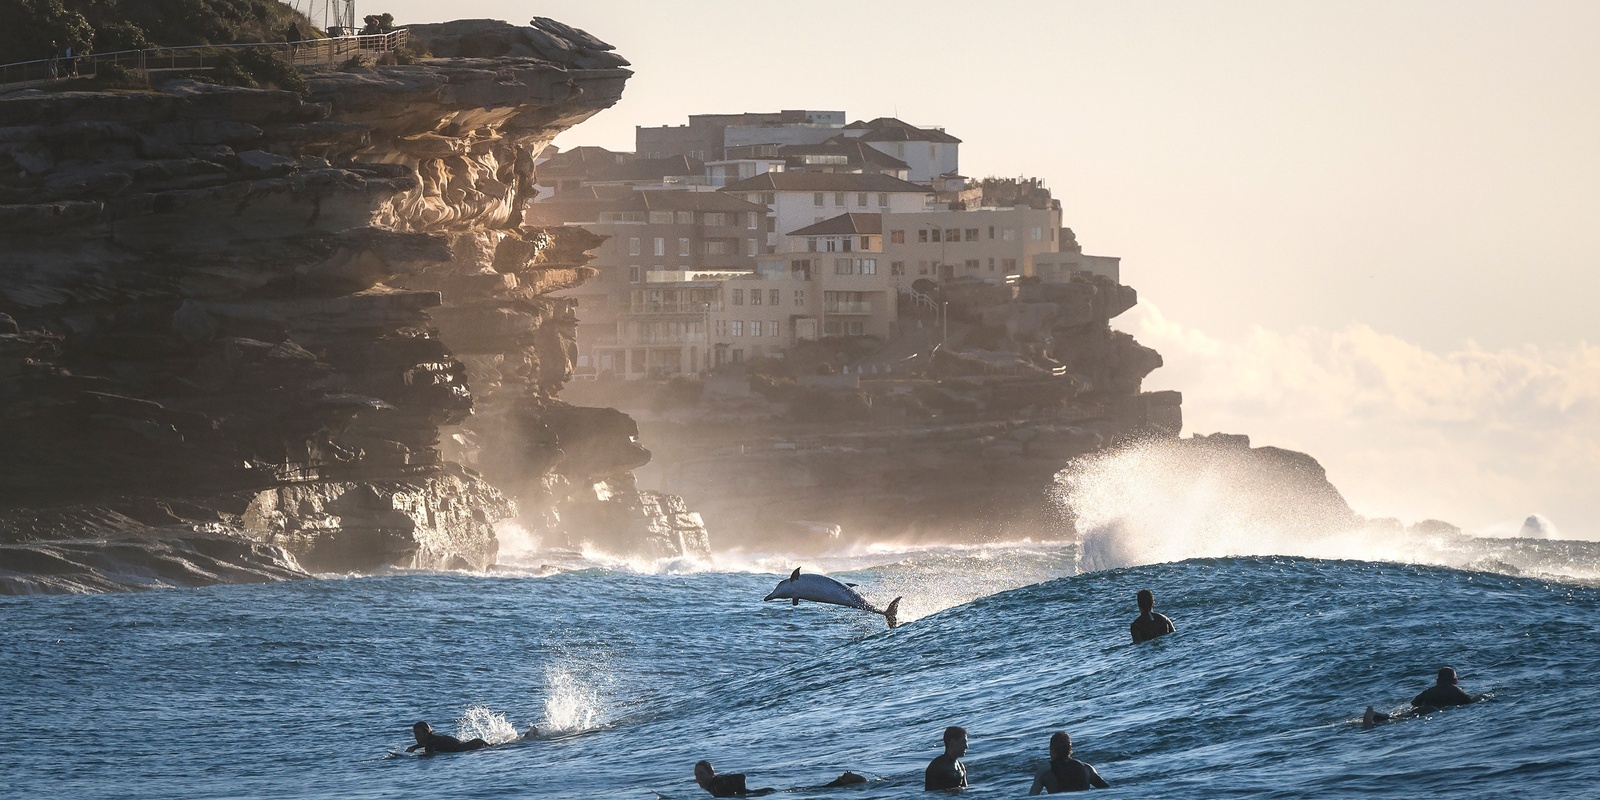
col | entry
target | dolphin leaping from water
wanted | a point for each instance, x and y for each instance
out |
(823, 589)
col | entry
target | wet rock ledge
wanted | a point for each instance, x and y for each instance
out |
(299, 333)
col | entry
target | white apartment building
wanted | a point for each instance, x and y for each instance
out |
(929, 152)
(795, 200)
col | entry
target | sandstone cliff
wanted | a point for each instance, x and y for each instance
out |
(294, 319)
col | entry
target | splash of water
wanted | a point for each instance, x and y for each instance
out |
(516, 542)
(480, 722)
(1159, 502)
(573, 701)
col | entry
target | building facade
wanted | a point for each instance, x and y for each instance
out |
(796, 200)
(945, 245)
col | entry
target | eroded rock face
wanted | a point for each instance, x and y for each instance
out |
(214, 292)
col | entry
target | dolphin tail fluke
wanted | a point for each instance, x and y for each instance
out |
(892, 613)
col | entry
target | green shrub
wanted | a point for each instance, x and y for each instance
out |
(258, 69)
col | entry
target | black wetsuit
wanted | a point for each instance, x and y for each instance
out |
(945, 772)
(1070, 775)
(732, 785)
(1149, 626)
(439, 743)
(1441, 695)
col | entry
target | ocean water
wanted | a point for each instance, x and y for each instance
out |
(636, 671)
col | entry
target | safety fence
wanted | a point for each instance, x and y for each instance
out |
(307, 53)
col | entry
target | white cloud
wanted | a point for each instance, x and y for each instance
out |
(1478, 437)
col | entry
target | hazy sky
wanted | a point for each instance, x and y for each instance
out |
(1367, 230)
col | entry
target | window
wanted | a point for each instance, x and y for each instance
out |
(715, 219)
(897, 237)
(774, 296)
(972, 234)
(1052, 233)
(952, 235)
(841, 266)
(897, 267)
(861, 199)
(846, 242)
(685, 217)
(799, 297)
(750, 220)
(991, 265)
(811, 244)
(736, 327)
(831, 244)
(1008, 235)
(737, 354)
(717, 247)
(683, 246)
(933, 151)
(634, 274)
(749, 247)
(972, 264)
(866, 243)
(772, 327)
(922, 267)
(922, 234)
(838, 198)
(868, 266)
(991, 231)
(816, 199)
(802, 266)
(772, 224)
(661, 218)
(737, 299)
(661, 246)
(937, 234)
(1037, 234)
(722, 327)
(769, 198)
(1010, 265)
(883, 199)
(755, 296)
(755, 327)
(633, 246)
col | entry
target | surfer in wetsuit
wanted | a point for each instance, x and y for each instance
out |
(1443, 694)
(1065, 773)
(1149, 625)
(947, 771)
(431, 742)
(730, 785)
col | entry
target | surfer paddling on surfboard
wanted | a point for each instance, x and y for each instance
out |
(823, 589)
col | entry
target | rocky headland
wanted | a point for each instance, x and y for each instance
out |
(253, 332)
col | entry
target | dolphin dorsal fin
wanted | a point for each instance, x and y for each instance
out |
(852, 585)
(794, 576)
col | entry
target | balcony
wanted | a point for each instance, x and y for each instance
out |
(841, 307)
(671, 307)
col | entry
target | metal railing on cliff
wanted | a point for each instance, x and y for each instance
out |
(307, 53)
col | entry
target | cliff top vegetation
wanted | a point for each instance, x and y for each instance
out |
(27, 27)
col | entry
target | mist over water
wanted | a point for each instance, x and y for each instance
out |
(1157, 503)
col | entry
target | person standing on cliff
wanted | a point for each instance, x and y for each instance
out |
(1149, 624)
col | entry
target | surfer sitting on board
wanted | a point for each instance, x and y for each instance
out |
(431, 742)
(823, 589)
(1065, 773)
(1149, 625)
(729, 785)
(1442, 694)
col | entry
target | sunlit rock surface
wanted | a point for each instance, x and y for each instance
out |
(294, 314)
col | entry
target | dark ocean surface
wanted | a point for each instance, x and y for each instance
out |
(308, 688)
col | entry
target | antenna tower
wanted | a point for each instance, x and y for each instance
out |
(329, 14)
